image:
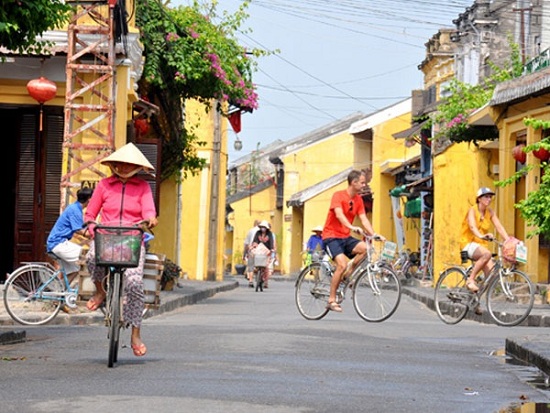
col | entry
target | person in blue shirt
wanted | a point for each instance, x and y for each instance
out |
(314, 245)
(315, 242)
(69, 223)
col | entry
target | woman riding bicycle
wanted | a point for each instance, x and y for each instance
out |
(264, 236)
(475, 236)
(123, 199)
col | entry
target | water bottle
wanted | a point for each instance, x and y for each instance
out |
(325, 265)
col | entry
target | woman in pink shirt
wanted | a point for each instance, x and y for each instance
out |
(123, 199)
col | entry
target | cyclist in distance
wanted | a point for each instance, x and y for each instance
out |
(340, 245)
(246, 252)
(475, 236)
(266, 237)
(123, 199)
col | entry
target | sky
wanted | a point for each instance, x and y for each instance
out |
(333, 59)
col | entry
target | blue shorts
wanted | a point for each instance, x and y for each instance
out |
(337, 246)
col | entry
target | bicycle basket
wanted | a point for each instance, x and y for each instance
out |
(509, 249)
(388, 251)
(117, 246)
(260, 260)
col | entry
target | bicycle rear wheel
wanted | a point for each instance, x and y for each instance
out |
(259, 278)
(451, 296)
(510, 297)
(376, 296)
(312, 291)
(113, 315)
(33, 294)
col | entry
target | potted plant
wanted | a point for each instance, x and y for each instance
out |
(170, 275)
(238, 263)
(543, 295)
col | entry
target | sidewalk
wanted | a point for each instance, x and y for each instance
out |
(185, 293)
(533, 349)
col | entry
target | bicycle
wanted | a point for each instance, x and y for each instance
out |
(375, 287)
(116, 248)
(260, 264)
(510, 293)
(36, 291)
(407, 265)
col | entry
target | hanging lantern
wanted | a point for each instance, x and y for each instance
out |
(518, 153)
(142, 126)
(238, 145)
(42, 89)
(542, 154)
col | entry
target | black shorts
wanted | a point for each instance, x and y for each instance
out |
(337, 246)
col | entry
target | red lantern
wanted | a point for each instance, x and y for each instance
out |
(518, 154)
(542, 154)
(141, 125)
(42, 89)
(235, 121)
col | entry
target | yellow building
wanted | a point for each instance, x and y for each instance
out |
(54, 148)
(305, 177)
(47, 157)
(512, 102)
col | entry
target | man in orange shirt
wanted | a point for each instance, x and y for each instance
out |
(339, 244)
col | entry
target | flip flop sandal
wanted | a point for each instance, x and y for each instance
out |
(93, 303)
(334, 306)
(140, 350)
(472, 286)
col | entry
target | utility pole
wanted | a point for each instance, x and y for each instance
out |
(214, 200)
(522, 11)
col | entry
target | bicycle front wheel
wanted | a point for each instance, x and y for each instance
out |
(451, 296)
(312, 291)
(376, 294)
(510, 297)
(33, 294)
(113, 316)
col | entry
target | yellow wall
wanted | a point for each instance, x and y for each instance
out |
(303, 169)
(194, 218)
(166, 233)
(458, 174)
(387, 151)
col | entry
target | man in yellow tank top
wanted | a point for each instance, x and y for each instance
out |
(475, 235)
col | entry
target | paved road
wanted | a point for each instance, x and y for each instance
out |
(244, 351)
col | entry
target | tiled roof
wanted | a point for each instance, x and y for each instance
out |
(515, 89)
(299, 198)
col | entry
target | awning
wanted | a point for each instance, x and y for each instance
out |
(299, 198)
(421, 185)
(413, 130)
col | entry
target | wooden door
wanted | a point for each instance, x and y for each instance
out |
(38, 177)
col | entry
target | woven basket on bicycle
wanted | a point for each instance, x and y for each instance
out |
(117, 246)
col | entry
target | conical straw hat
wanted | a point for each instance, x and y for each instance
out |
(129, 153)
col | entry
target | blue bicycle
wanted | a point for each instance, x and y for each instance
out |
(35, 293)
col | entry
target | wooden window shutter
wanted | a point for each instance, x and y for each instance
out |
(151, 148)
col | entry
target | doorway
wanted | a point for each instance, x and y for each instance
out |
(31, 168)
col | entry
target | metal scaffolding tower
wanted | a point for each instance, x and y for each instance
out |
(90, 93)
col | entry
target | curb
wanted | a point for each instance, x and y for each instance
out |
(13, 337)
